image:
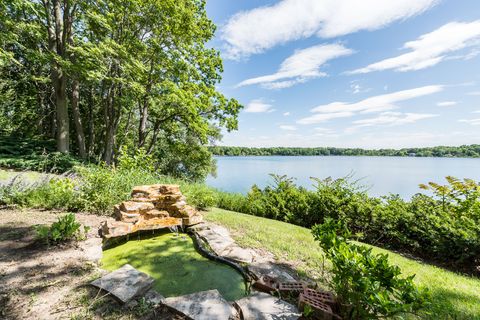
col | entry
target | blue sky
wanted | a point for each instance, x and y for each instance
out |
(349, 73)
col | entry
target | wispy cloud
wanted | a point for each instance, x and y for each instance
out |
(474, 93)
(288, 127)
(473, 122)
(254, 31)
(375, 104)
(324, 117)
(300, 67)
(447, 103)
(286, 114)
(356, 87)
(390, 119)
(432, 48)
(258, 106)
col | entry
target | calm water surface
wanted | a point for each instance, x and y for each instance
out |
(383, 175)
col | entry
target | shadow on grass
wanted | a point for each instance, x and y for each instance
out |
(453, 304)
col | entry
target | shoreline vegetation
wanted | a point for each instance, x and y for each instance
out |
(438, 230)
(464, 151)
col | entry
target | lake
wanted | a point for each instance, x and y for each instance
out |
(383, 175)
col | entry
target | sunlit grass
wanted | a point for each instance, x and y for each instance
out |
(454, 296)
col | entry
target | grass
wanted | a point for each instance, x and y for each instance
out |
(176, 266)
(454, 296)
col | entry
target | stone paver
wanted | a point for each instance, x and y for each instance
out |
(262, 306)
(272, 270)
(125, 283)
(202, 305)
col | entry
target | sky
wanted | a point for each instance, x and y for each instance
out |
(349, 73)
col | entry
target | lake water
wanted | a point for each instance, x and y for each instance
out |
(383, 175)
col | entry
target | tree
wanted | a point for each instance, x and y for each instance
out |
(133, 73)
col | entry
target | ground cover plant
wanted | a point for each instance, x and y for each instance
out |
(366, 284)
(453, 295)
(65, 229)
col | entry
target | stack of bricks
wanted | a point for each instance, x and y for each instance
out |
(151, 207)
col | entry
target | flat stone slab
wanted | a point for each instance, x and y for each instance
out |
(272, 270)
(153, 297)
(240, 254)
(262, 306)
(202, 305)
(125, 283)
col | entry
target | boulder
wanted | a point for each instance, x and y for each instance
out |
(195, 219)
(152, 207)
(112, 229)
(136, 207)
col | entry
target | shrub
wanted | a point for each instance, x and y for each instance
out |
(65, 229)
(368, 287)
(444, 227)
(201, 196)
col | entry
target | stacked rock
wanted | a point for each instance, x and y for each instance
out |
(151, 207)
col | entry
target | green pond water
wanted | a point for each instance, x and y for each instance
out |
(175, 265)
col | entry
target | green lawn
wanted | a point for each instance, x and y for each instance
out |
(454, 296)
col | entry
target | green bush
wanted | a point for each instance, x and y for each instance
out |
(200, 196)
(56, 193)
(65, 229)
(444, 227)
(367, 286)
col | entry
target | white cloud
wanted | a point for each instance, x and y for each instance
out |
(324, 117)
(375, 104)
(258, 106)
(447, 103)
(473, 122)
(379, 103)
(474, 93)
(476, 111)
(288, 127)
(286, 114)
(254, 31)
(432, 48)
(300, 67)
(391, 119)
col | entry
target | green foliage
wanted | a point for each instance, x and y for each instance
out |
(33, 154)
(65, 229)
(53, 193)
(138, 160)
(444, 228)
(141, 71)
(467, 151)
(201, 196)
(368, 286)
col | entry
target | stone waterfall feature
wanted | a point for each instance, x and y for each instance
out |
(151, 207)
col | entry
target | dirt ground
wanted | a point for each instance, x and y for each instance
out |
(40, 282)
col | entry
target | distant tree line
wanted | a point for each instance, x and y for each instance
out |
(466, 151)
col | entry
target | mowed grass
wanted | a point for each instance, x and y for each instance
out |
(454, 296)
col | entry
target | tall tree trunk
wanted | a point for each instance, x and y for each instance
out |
(77, 119)
(142, 128)
(59, 23)
(91, 125)
(109, 116)
(61, 108)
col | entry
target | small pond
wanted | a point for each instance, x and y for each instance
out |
(176, 266)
